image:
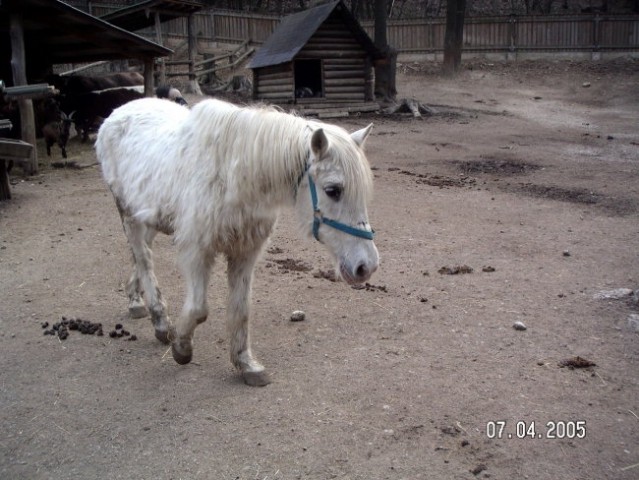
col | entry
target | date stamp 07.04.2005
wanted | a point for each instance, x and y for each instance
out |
(501, 429)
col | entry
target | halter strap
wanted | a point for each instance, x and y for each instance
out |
(318, 218)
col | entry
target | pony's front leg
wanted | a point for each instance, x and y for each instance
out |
(196, 269)
(137, 308)
(240, 276)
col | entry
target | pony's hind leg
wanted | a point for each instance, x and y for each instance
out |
(240, 276)
(143, 279)
(196, 268)
(137, 308)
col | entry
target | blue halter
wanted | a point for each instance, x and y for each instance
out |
(318, 218)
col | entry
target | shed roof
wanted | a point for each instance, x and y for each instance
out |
(294, 31)
(55, 32)
(138, 15)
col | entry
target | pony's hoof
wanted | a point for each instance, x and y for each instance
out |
(182, 350)
(138, 310)
(256, 379)
(181, 358)
(162, 336)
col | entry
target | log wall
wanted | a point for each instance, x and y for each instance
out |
(346, 70)
(275, 84)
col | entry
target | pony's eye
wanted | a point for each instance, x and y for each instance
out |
(333, 192)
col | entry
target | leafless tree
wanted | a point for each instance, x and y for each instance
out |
(386, 67)
(453, 38)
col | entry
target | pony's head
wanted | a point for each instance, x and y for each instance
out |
(332, 197)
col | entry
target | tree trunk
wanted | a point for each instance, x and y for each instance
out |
(386, 67)
(454, 36)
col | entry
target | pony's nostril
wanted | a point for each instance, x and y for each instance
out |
(362, 271)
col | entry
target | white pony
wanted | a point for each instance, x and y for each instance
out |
(216, 177)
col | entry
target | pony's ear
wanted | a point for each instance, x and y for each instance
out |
(359, 137)
(319, 143)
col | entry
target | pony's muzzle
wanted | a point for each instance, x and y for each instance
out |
(359, 271)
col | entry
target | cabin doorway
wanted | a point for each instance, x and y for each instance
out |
(308, 79)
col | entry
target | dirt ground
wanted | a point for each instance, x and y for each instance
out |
(528, 174)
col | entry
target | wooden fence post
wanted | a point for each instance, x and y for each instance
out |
(148, 76)
(158, 40)
(512, 51)
(27, 118)
(193, 86)
(212, 33)
(596, 41)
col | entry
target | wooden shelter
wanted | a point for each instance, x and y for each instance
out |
(149, 13)
(37, 34)
(54, 32)
(320, 59)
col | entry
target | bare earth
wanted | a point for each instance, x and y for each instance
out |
(529, 171)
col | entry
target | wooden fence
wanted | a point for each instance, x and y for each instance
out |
(499, 34)
(586, 33)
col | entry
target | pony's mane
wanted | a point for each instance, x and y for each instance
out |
(275, 145)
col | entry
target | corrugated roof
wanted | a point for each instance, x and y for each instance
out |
(136, 17)
(295, 31)
(55, 32)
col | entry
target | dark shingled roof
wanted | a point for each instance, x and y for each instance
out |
(295, 31)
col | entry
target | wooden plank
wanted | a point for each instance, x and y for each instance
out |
(342, 61)
(356, 69)
(275, 89)
(332, 114)
(333, 74)
(345, 96)
(349, 84)
(276, 97)
(273, 76)
(278, 81)
(333, 89)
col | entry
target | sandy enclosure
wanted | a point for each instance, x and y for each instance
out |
(517, 202)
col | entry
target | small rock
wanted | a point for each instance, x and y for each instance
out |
(478, 469)
(585, 84)
(566, 253)
(616, 294)
(518, 325)
(298, 316)
(633, 322)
